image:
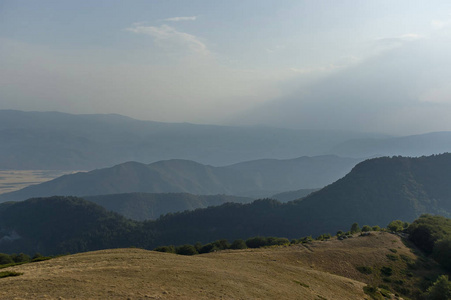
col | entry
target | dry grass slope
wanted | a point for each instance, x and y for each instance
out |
(316, 271)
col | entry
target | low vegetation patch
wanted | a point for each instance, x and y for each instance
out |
(301, 284)
(392, 257)
(9, 274)
(365, 270)
(373, 292)
(386, 271)
(7, 260)
(198, 248)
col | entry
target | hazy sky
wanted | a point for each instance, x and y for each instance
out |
(382, 66)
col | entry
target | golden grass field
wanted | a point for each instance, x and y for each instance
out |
(319, 270)
(13, 180)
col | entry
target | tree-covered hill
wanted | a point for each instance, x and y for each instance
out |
(57, 225)
(148, 206)
(375, 192)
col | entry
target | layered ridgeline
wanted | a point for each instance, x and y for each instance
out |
(59, 141)
(375, 192)
(260, 178)
(150, 206)
(147, 206)
(413, 145)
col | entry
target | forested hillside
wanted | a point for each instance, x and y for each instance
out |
(146, 206)
(59, 225)
(376, 192)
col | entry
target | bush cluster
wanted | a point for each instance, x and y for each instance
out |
(198, 248)
(7, 260)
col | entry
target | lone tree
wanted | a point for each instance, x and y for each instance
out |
(396, 225)
(366, 228)
(355, 228)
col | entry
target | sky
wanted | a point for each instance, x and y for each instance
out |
(370, 66)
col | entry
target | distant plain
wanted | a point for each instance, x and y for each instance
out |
(13, 180)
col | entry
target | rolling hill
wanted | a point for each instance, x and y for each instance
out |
(316, 270)
(261, 178)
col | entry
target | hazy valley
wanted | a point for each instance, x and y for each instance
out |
(233, 149)
(181, 202)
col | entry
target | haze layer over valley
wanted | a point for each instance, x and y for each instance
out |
(316, 131)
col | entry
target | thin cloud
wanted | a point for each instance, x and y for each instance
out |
(167, 35)
(398, 40)
(328, 68)
(179, 19)
(439, 24)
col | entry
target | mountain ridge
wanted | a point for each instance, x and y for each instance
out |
(186, 176)
(60, 141)
(375, 192)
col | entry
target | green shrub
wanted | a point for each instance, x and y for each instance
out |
(41, 258)
(259, 241)
(207, 248)
(186, 250)
(168, 249)
(366, 228)
(442, 252)
(222, 244)
(406, 258)
(384, 286)
(301, 284)
(385, 293)
(238, 244)
(276, 241)
(5, 259)
(392, 257)
(387, 271)
(324, 236)
(372, 292)
(365, 270)
(396, 225)
(355, 228)
(256, 242)
(306, 239)
(20, 258)
(441, 289)
(9, 273)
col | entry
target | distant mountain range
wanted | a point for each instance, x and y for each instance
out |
(375, 192)
(261, 178)
(413, 145)
(59, 141)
